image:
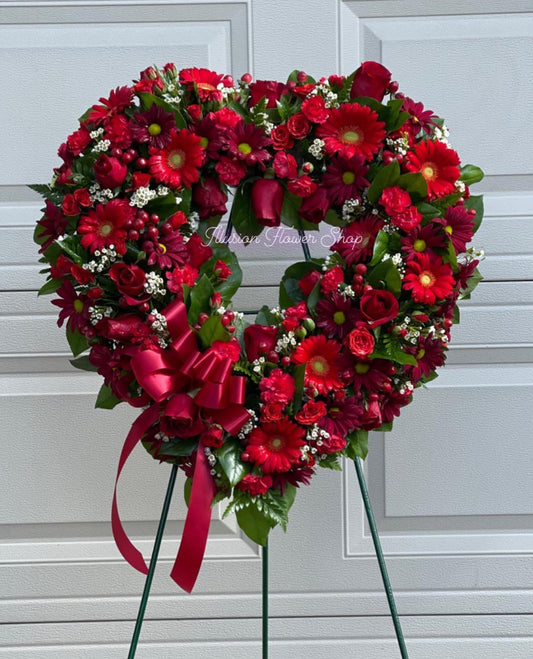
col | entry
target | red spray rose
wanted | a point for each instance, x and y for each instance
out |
(180, 418)
(315, 207)
(311, 412)
(378, 307)
(259, 340)
(298, 125)
(209, 198)
(371, 79)
(285, 165)
(361, 342)
(129, 280)
(255, 485)
(281, 138)
(109, 172)
(267, 200)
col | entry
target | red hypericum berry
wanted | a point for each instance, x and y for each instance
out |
(247, 78)
(225, 320)
(128, 224)
(154, 219)
(127, 158)
(367, 288)
(144, 307)
(133, 234)
(138, 224)
(231, 328)
(393, 86)
(285, 361)
(448, 323)
(143, 215)
(132, 153)
(361, 268)
(291, 84)
(166, 228)
(302, 76)
(141, 163)
(90, 332)
(386, 387)
(307, 168)
(202, 317)
(245, 456)
(230, 315)
(460, 202)
(357, 280)
(273, 357)
(399, 158)
(152, 232)
(387, 157)
(115, 152)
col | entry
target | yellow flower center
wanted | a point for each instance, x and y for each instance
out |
(163, 248)
(205, 85)
(276, 443)
(176, 159)
(245, 148)
(351, 136)
(426, 278)
(420, 353)
(419, 245)
(204, 142)
(429, 171)
(319, 365)
(448, 229)
(78, 305)
(105, 229)
(339, 318)
(154, 129)
(362, 368)
(348, 178)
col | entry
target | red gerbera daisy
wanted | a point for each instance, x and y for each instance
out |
(105, 226)
(336, 316)
(53, 225)
(438, 164)
(320, 356)
(246, 142)
(74, 307)
(357, 239)
(119, 99)
(276, 446)
(153, 127)
(204, 81)
(458, 223)
(428, 279)
(345, 178)
(177, 164)
(352, 129)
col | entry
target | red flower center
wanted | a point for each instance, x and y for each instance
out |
(427, 278)
(176, 159)
(319, 365)
(350, 135)
(429, 171)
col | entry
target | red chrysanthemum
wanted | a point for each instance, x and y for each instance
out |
(438, 164)
(370, 374)
(276, 446)
(105, 226)
(168, 252)
(428, 279)
(357, 239)
(74, 307)
(204, 81)
(320, 356)
(119, 99)
(458, 223)
(247, 142)
(177, 164)
(153, 127)
(342, 416)
(53, 225)
(336, 316)
(352, 129)
(345, 178)
(423, 240)
(429, 354)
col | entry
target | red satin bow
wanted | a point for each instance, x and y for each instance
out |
(220, 396)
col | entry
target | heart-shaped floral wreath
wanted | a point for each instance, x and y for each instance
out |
(249, 411)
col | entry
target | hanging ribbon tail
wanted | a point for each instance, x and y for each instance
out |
(124, 544)
(192, 547)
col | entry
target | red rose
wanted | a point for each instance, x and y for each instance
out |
(83, 197)
(259, 340)
(213, 436)
(126, 329)
(308, 282)
(70, 206)
(222, 269)
(378, 307)
(231, 172)
(311, 412)
(180, 418)
(315, 207)
(197, 251)
(267, 200)
(140, 180)
(332, 444)
(303, 186)
(109, 172)
(281, 138)
(209, 198)
(255, 485)
(298, 126)
(315, 109)
(129, 280)
(371, 79)
(361, 342)
(284, 165)
(371, 418)
(269, 89)
(395, 200)
(271, 412)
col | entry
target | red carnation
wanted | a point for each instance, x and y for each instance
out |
(269, 89)
(314, 108)
(255, 485)
(285, 165)
(303, 186)
(278, 387)
(230, 171)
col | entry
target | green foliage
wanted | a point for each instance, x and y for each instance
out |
(106, 400)
(381, 247)
(471, 174)
(386, 275)
(77, 342)
(266, 317)
(199, 298)
(357, 444)
(242, 215)
(476, 203)
(415, 184)
(226, 287)
(299, 377)
(289, 291)
(51, 286)
(472, 282)
(290, 215)
(391, 347)
(255, 524)
(83, 363)
(148, 100)
(385, 178)
(229, 457)
(212, 330)
(330, 461)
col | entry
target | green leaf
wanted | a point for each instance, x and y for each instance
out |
(255, 524)
(386, 275)
(187, 488)
(476, 203)
(330, 461)
(83, 363)
(179, 447)
(471, 174)
(384, 427)
(227, 287)
(472, 282)
(428, 211)
(200, 296)
(106, 400)
(289, 291)
(381, 247)
(290, 213)
(333, 219)
(357, 444)
(385, 178)
(299, 377)
(148, 100)
(394, 352)
(242, 216)
(51, 286)
(212, 330)
(229, 456)
(415, 184)
(266, 317)
(77, 342)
